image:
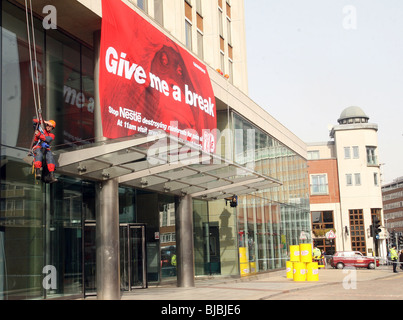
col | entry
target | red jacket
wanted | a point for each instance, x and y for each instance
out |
(40, 137)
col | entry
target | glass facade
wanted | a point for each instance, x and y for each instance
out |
(41, 225)
(216, 247)
(265, 223)
(47, 232)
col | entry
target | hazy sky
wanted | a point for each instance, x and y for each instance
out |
(308, 60)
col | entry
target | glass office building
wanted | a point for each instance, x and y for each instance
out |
(45, 228)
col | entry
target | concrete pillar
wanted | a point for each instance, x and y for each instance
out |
(107, 241)
(185, 243)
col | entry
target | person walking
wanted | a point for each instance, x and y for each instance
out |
(394, 257)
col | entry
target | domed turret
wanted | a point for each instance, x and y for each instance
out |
(352, 115)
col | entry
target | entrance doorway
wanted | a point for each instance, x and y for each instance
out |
(212, 252)
(133, 262)
(133, 258)
(90, 258)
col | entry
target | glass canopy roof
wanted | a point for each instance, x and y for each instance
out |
(162, 163)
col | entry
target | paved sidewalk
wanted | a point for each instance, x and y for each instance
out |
(258, 287)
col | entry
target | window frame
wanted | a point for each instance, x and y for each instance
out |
(322, 185)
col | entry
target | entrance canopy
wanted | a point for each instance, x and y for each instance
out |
(162, 163)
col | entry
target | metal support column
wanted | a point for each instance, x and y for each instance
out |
(107, 241)
(185, 243)
(107, 211)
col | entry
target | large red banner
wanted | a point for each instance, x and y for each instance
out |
(149, 82)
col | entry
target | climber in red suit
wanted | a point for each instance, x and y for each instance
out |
(41, 149)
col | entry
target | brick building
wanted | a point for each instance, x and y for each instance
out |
(392, 194)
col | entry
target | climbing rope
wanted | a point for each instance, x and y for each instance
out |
(33, 60)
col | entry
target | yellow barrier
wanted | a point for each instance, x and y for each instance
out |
(312, 271)
(299, 271)
(305, 251)
(290, 270)
(294, 254)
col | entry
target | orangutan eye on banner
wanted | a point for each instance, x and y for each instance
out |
(148, 82)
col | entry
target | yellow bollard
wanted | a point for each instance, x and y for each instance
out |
(305, 251)
(299, 271)
(290, 270)
(312, 271)
(294, 254)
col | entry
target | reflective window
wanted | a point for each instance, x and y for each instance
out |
(167, 235)
(372, 159)
(319, 184)
(267, 222)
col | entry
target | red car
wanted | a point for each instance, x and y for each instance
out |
(352, 259)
